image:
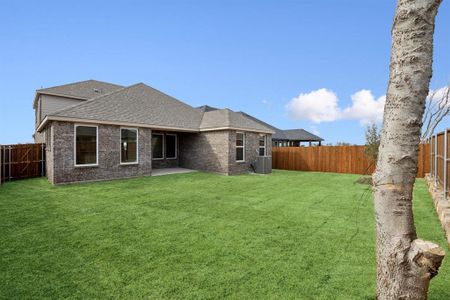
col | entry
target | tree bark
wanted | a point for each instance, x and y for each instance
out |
(405, 264)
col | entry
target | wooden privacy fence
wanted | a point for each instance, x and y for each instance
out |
(21, 161)
(439, 159)
(338, 159)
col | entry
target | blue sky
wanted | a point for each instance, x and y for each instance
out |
(254, 56)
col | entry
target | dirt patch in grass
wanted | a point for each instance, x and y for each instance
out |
(364, 180)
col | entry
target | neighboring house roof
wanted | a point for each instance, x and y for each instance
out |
(301, 135)
(83, 90)
(141, 105)
(289, 134)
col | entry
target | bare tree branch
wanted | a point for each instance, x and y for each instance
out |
(437, 107)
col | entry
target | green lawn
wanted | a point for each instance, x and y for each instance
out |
(288, 235)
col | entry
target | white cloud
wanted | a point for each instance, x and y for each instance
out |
(365, 108)
(317, 106)
(264, 101)
(323, 106)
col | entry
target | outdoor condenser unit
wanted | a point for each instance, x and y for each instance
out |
(263, 165)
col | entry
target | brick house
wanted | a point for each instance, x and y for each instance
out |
(98, 131)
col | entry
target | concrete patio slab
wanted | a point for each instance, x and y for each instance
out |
(168, 171)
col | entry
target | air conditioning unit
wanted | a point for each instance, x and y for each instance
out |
(263, 165)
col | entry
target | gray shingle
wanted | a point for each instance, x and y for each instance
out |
(279, 134)
(145, 105)
(289, 134)
(206, 108)
(227, 118)
(138, 103)
(301, 135)
(83, 89)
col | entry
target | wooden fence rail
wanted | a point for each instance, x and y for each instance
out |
(338, 159)
(439, 159)
(21, 161)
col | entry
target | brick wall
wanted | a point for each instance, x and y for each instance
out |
(215, 151)
(251, 152)
(49, 152)
(207, 151)
(109, 166)
(212, 151)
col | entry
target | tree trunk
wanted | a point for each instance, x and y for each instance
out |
(405, 264)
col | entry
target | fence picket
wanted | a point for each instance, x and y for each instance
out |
(22, 161)
(338, 159)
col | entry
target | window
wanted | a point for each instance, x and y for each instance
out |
(262, 145)
(157, 146)
(240, 146)
(86, 147)
(171, 146)
(128, 145)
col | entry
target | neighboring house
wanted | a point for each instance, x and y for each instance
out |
(96, 131)
(289, 137)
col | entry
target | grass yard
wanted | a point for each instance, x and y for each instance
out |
(289, 235)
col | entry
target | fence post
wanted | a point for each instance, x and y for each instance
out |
(9, 162)
(1, 164)
(435, 160)
(445, 164)
(4, 163)
(431, 156)
(42, 159)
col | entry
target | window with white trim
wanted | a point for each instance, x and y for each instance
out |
(171, 146)
(262, 145)
(157, 146)
(86, 145)
(128, 145)
(240, 146)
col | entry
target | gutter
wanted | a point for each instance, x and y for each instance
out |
(49, 118)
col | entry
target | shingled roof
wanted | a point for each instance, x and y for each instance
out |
(289, 134)
(142, 105)
(226, 118)
(139, 104)
(301, 135)
(83, 90)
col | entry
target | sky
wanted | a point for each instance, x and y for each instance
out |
(318, 65)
